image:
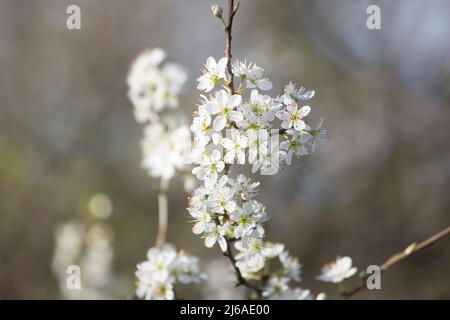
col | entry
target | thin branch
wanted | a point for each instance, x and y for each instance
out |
(240, 279)
(396, 258)
(163, 213)
(232, 9)
(228, 29)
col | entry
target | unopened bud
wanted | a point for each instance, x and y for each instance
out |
(217, 11)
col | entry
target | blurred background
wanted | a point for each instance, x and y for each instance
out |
(69, 144)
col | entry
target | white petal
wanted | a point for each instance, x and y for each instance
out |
(229, 157)
(235, 100)
(210, 63)
(217, 139)
(222, 243)
(299, 125)
(250, 84)
(345, 263)
(292, 108)
(219, 123)
(252, 154)
(223, 62)
(236, 116)
(282, 115)
(198, 228)
(202, 78)
(211, 108)
(220, 166)
(227, 143)
(323, 277)
(241, 157)
(286, 124)
(215, 155)
(254, 96)
(304, 111)
(265, 84)
(230, 206)
(307, 95)
(256, 166)
(210, 240)
(350, 272)
(222, 97)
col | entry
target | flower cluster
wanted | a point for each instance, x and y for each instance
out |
(231, 123)
(163, 147)
(154, 88)
(163, 269)
(88, 245)
(229, 128)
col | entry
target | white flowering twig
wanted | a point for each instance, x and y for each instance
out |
(154, 89)
(228, 27)
(400, 256)
(223, 207)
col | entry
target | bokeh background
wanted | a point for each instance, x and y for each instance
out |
(67, 132)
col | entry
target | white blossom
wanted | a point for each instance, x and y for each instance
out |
(276, 286)
(252, 75)
(291, 266)
(268, 162)
(210, 166)
(253, 254)
(247, 218)
(87, 244)
(297, 144)
(202, 219)
(292, 93)
(153, 88)
(244, 187)
(258, 144)
(337, 270)
(163, 150)
(222, 201)
(235, 147)
(213, 72)
(262, 106)
(215, 233)
(318, 137)
(224, 106)
(293, 117)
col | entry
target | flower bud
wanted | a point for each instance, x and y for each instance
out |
(217, 11)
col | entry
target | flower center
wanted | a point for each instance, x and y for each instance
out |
(257, 109)
(225, 111)
(213, 78)
(293, 116)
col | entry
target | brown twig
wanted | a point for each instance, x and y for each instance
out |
(396, 258)
(240, 279)
(228, 27)
(163, 213)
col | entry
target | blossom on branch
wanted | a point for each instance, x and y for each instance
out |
(163, 269)
(337, 270)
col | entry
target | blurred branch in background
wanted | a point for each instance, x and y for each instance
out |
(396, 258)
